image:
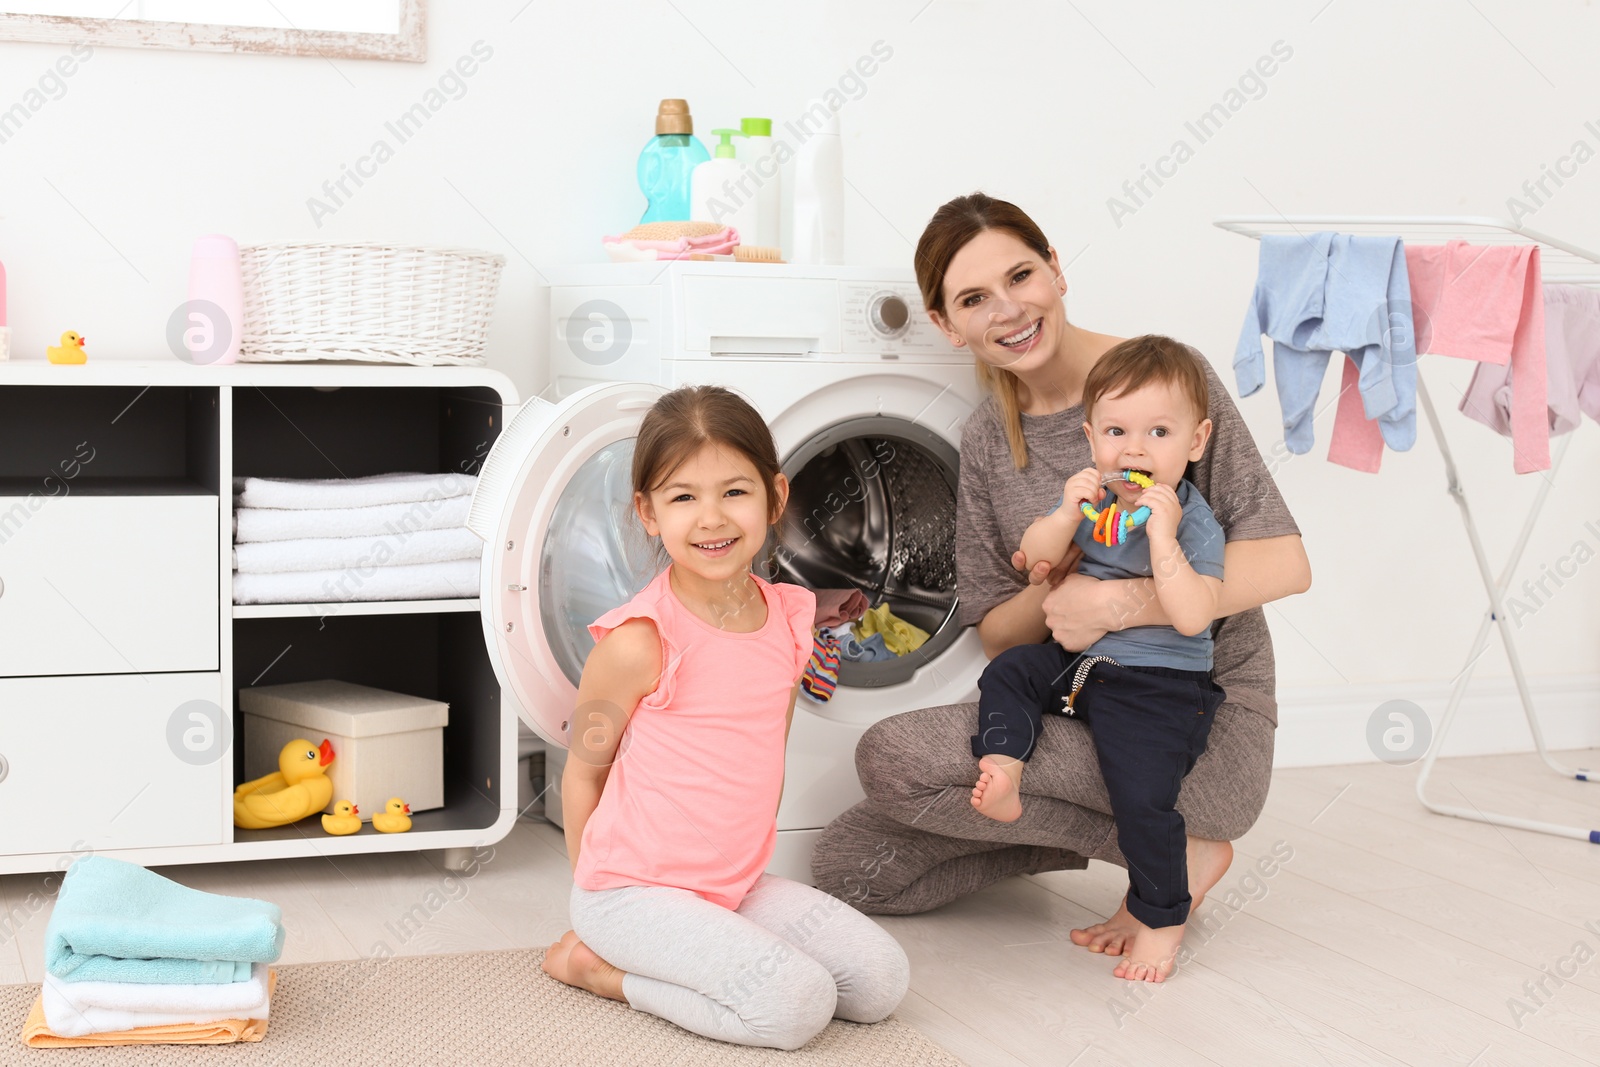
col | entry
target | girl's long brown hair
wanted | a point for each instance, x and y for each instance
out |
(678, 424)
(951, 227)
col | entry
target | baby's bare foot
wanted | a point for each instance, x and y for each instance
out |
(1151, 955)
(997, 793)
(1110, 936)
(571, 961)
(1208, 861)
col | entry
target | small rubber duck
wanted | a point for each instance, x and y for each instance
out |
(346, 819)
(69, 351)
(395, 818)
(298, 788)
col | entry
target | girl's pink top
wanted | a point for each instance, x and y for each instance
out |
(692, 797)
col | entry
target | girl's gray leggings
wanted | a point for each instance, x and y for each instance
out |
(771, 974)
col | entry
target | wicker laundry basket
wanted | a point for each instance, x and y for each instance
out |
(374, 302)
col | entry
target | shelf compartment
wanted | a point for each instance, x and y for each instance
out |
(111, 438)
(437, 655)
(359, 431)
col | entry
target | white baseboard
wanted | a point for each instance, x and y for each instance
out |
(1325, 725)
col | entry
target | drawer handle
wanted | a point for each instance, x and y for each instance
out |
(5, 768)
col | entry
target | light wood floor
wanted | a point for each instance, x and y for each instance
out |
(1388, 935)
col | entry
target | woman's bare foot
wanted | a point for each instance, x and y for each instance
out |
(571, 961)
(1208, 861)
(1151, 955)
(998, 793)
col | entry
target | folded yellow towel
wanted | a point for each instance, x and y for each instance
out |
(36, 1034)
(899, 636)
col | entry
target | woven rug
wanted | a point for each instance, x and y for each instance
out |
(479, 1009)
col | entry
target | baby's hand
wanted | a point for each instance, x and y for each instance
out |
(1085, 485)
(1165, 512)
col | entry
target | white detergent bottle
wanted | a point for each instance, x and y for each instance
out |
(819, 197)
(721, 192)
(758, 154)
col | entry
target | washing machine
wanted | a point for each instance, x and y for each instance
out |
(866, 400)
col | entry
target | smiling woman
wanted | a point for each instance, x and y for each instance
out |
(993, 283)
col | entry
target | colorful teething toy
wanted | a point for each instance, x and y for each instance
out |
(1112, 524)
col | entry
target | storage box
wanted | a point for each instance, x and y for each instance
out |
(384, 744)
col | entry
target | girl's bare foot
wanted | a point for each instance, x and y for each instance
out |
(1208, 861)
(998, 793)
(1151, 955)
(571, 961)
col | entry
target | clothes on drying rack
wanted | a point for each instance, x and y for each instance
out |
(1383, 304)
(1571, 363)
(1327, 292)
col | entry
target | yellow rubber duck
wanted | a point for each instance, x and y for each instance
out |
(395, 819)
(346, 819)
(69, 351)
(300, 787)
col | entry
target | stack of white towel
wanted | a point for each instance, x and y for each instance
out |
(387, 537)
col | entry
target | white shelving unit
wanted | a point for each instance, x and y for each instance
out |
(116, 611)
(1562, 263)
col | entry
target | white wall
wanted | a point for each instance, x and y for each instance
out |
(1433, 106)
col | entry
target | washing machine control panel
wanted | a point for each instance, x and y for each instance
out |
(886, 320)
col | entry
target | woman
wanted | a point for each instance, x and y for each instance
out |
(992, 284)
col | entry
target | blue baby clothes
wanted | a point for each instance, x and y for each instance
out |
(1201, 538)
(1328, 292)
(117, 922)
(821, 675)
(855, 650)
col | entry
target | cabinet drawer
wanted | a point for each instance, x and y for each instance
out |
(94, 763)
(108, 584)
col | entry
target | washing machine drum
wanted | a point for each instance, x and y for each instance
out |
(872, 506)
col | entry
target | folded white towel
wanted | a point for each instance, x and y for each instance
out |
(232, 997)
(77, 1009)
(423, 581)
(280, 524)
(351, 492)
(338, 553)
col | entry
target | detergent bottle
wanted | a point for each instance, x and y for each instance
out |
(722, 191)
(762, 158)
(668, 161)
(819, 197)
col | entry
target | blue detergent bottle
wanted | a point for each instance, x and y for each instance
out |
(667, 162)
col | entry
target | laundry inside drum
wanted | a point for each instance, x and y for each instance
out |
(872, 506)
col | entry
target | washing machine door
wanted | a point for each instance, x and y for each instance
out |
(554, 504)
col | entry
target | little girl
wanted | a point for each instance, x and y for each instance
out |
(675, 768)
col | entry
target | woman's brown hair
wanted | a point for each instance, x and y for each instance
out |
(951, 227)
(680, 423)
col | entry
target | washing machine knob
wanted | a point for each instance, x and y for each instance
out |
(888, 314)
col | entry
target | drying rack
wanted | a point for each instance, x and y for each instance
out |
(1562, 263)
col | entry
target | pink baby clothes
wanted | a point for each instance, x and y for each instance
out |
(1479, 302)
(835, 607)
(1572, 367)
(692, 797)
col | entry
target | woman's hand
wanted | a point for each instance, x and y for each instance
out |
(1072, 610)
(1043, 572)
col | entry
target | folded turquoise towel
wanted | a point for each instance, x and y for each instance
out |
(117, 922)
